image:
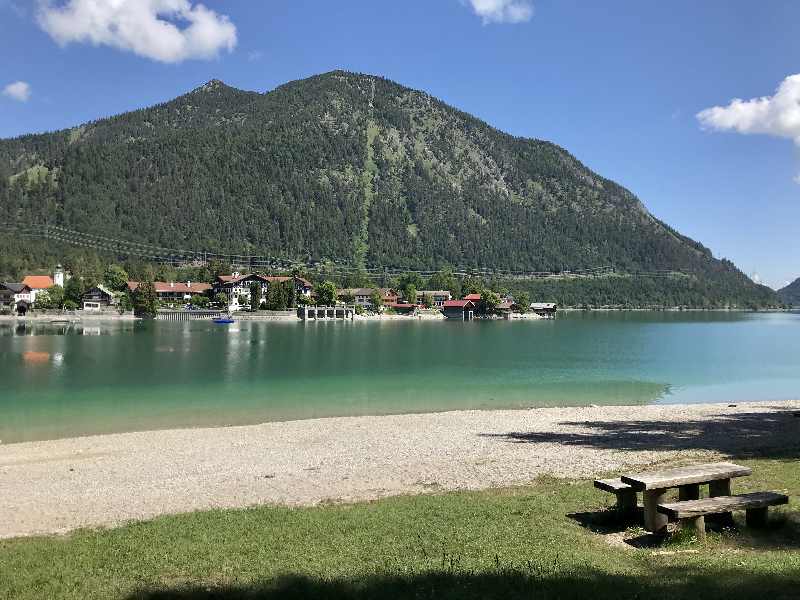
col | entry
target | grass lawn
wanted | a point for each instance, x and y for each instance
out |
(517, 543)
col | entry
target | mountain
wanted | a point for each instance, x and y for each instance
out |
(791, 293)
(344, 167)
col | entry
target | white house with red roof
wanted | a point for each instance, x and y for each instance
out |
(37, 284)
(174, 291)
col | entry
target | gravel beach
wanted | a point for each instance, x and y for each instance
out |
(57, 486)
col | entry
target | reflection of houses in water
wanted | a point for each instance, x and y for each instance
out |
(35, 358)
(93, 330)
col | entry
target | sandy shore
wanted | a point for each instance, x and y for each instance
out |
(56, 486)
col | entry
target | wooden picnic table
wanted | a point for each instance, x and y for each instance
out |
(654, 486)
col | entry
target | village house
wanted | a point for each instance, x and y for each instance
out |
(16, 297)
(463, 310)
(237, 285)
(438, 297)
(38, 284)
(403, 308)
(97, 298)
(544, 309)
(363, 296)
(474, 298)
(174, 292)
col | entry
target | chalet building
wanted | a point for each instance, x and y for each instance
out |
(474, 298)
(438, 297)
(96, 299)
(363, 296)
(237, 284)
(463, 310)
(174, 292)
(11, 294)
(505, 305)
(16, 297)
(544, 309)
(38, 284)
(403, 308)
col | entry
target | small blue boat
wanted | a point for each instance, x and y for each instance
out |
(223, 320)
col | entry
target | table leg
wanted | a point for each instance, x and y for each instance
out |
(626, 504)
(721, 487)
(653, 520)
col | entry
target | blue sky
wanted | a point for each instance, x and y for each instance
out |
(618, 83)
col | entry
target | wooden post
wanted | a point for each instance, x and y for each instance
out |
(721, 487)
(756, 517)
(626, 504)
(653, 520)
(699, 525)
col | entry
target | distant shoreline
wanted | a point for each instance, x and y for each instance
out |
(60, 485)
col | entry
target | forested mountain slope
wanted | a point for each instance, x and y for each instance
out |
(343, 167)
(791, 293)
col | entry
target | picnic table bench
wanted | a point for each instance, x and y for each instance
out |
(690, 508)
(654, 486)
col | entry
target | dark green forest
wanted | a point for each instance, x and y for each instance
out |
(356, 170)
(791, 293)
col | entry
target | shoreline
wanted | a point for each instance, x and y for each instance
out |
(59, 485)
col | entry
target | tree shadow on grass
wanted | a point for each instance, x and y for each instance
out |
(671, 582)
(743, 435)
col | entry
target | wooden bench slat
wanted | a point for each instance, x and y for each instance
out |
(611, 485)
(721, 504)
(684, 476)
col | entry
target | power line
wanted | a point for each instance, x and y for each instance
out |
(182, 257)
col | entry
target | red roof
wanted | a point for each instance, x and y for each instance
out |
(457, 303)
(473, 297)
(402, 305)
(38, 282)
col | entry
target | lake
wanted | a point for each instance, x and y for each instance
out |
(69, 380)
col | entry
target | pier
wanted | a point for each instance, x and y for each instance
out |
(187, 315)
(321, 313)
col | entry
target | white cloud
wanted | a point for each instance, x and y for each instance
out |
(168, 31)
(503, 11)
(777, 115)
(19, 90)
(797, 179)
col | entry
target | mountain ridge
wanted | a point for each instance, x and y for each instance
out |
(340, 166)
(790, 294)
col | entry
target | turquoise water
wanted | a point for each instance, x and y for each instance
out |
(60, 380)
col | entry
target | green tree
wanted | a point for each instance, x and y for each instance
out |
(377, 300)
(522, 300)
(427, 300)
(124, 302)
(277, 297)
(326, 293)
(116, 278)
(410, 293)
(222, 299)
(52, 298)
(255, 295)
(200, 301)
(472, 285)
(73, 290)
(145, 303)
(490, 300)
(445, 280)
(290, 292)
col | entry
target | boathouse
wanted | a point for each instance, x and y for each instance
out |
(463, 310)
